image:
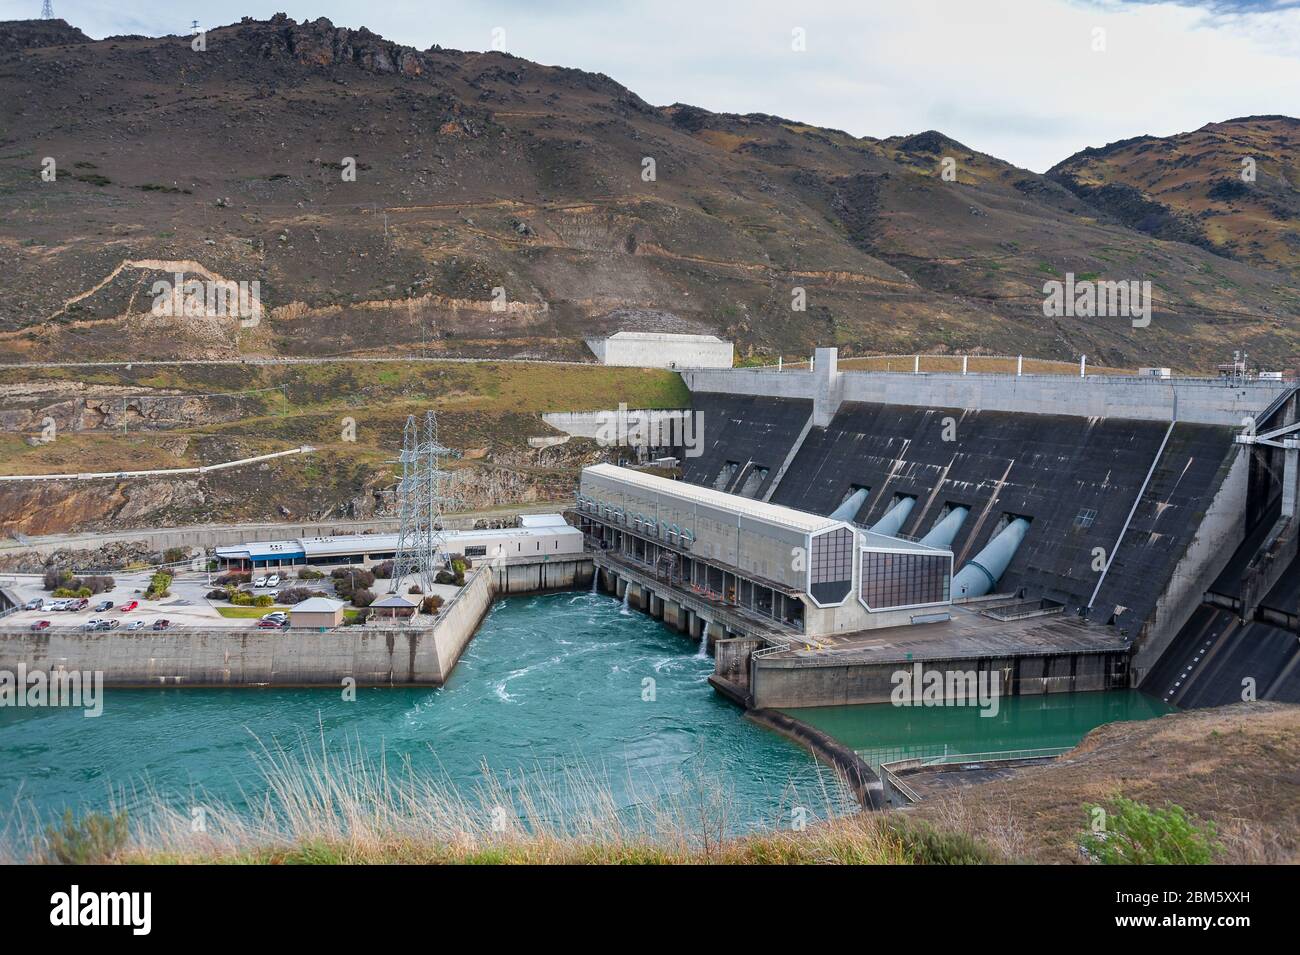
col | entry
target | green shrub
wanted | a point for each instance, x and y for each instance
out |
(1136, 834)
(158, 585)
(926, 845)
(264, 600)
(93, 839)
(308, 574)
(241, 598)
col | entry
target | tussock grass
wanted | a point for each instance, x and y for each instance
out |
(321, 807)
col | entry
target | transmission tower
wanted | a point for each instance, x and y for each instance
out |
(421, 497)
(47, 10)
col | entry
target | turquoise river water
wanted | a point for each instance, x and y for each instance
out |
(551, 685)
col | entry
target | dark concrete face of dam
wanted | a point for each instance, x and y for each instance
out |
(1075, 478)
(748, 432)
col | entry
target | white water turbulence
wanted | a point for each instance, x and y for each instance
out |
(626, 609)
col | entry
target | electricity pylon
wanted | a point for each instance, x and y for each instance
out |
(421, 497)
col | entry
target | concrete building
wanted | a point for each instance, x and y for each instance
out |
(653, 350)
(810, 574)
(393, 606)
(317, 613)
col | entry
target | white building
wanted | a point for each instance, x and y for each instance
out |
(654, 350)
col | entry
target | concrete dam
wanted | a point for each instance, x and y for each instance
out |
(1101, 532)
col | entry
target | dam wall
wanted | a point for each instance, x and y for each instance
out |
(1220, 401)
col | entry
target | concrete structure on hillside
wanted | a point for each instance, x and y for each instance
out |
(663, 350)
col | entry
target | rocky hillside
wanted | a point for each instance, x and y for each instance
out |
(500, 207)
(1232, 188)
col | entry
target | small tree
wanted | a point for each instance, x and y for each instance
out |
(362, 598)
(1135, 834)
(431, 604)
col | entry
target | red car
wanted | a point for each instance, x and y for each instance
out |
(41, 625)
(265, 624)
(161, 624)
(129, 606)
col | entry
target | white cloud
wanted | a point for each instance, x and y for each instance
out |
(1015, 78)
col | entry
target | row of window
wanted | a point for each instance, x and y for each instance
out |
(904, 580)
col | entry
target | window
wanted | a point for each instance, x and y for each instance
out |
(831, 566)
(891, 579)
(476, 550)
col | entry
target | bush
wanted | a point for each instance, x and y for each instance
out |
(308, 574)
(363, 598)
(1136, 834)
(431, 604)
(236, 577)
(264, 600)
(174, 555)
(355, 577)
(92, 840)
(926, 845)
(383, 571)
(221, 593)
(415, 589)
(241, 598)
(54, 579)
(158, 585)
(296, 595)
(444, 577)
(98, 584)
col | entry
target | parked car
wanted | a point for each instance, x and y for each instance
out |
(103, 605)
(111, 624)
(57, 605)
(135, 625)
(36, 603)
(265, 624)
(273, 580)
(91, 625)
(260, 582)
(161, 624)
(81, 603)
(275, 615)
(41, 625)
(129, 606)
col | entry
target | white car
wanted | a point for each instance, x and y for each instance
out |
(36, 603)
(275, 615)
(273, 580)
(58, 605)
(260, 582)
(135, 625)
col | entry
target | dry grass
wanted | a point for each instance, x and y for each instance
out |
(1238, 766)
(345, 807)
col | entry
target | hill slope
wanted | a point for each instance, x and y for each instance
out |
(482, 171)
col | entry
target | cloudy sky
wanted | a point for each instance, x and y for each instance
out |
(1030, 81)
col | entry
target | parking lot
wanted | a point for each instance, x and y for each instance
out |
(187, 606)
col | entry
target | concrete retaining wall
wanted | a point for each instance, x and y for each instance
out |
(243, 656)
(777, 683)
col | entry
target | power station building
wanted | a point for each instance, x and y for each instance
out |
(663, 350)
(812, 574)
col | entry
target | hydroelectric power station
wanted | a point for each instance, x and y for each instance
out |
(1067, 534)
